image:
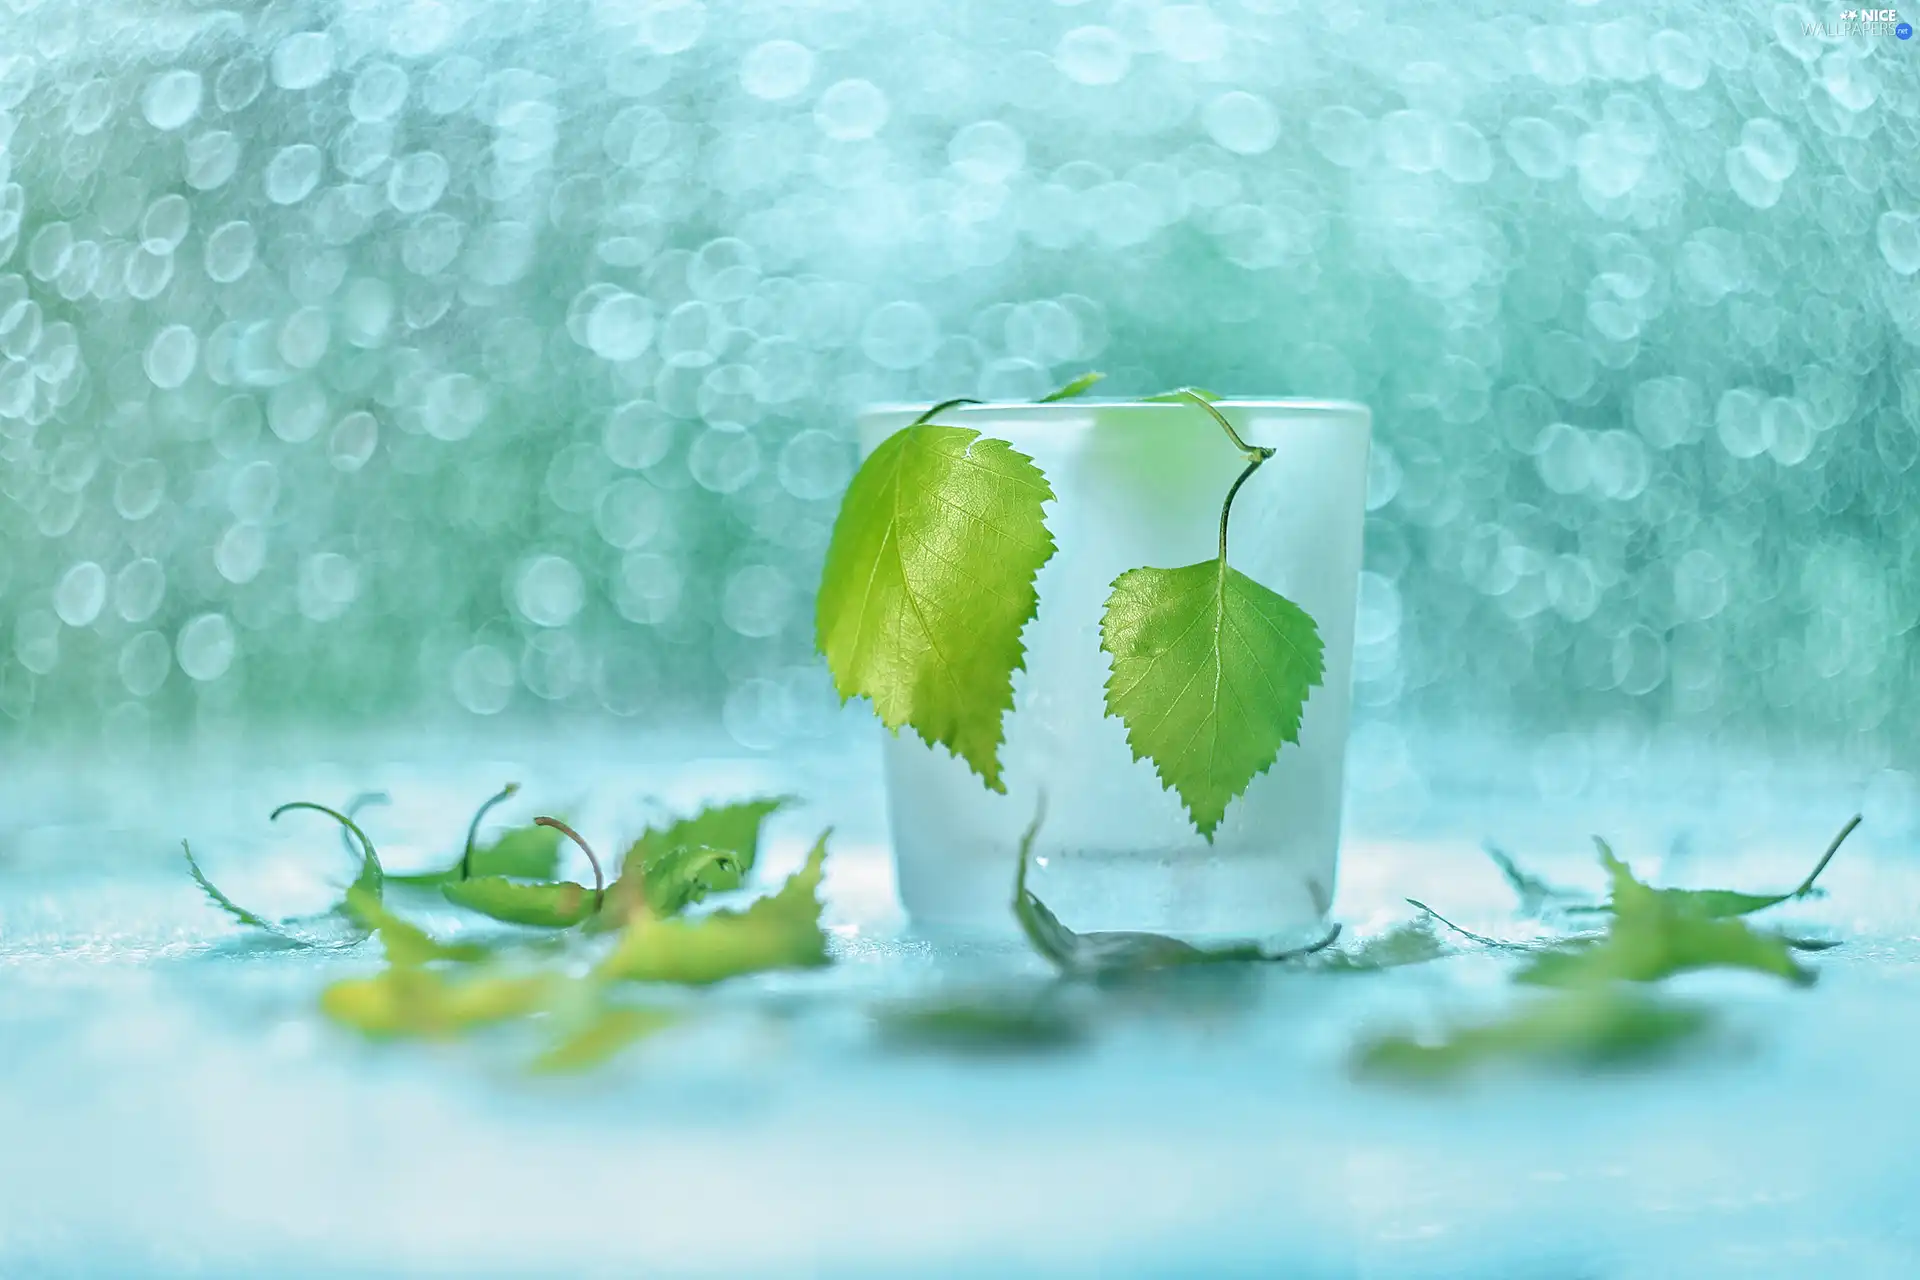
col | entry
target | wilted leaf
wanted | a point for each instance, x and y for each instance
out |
(414, 1001)
(1086, 955)
(610, 1030)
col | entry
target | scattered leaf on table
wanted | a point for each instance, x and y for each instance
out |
(659, 868)
(551, 905)
(1410, 942)
(529, 853)
(781, 931)
(293, 931)
(684, 876)
(415, 1001)
(1720, 904)
(1211, 674)
(929, 581)
(1078, 387)
(609, 1031)
(226, 904)
(1605, 1024)
(1086, 955)
(1653, 935)
(407, 945)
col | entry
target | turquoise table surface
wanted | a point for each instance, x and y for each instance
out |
(172, 1104)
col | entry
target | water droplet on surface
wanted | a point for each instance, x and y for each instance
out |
(205, 647)
(1536, 147)
(900, 335)
(756, 601)
(723, 459)
(145, 661)
(329, 584)
(776, 70)
(297, 410)
(629, 513)
(549, 591)
(212, 158)
(851, 110)
(417, 182)
(620, 327)
(171, 99)
(987, 151)
(379, 92)
(80, 594)
(1092, 56)
(171, 355)
(482, 680)
(293, 173)
(139, 589)
(353, 441)
(1244, 123)
(303, 60)
(814, 465)
(1898, 235)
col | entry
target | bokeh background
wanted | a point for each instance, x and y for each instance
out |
(387, 363)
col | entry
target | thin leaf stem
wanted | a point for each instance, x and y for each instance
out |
(1226, 508)
(473, 828)
(942, 407)
(599, 880)
(368, 858)
(1806, 886)
(1254, 454)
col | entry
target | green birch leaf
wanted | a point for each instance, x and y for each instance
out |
(666, 864)
(1211, 674)
(684, 876)
(929, 580)
(781, 931)
(553, 905)
(528, 853)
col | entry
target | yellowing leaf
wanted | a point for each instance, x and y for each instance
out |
(409, 1001)
(557, 905)
(610, 1030)
(1211, 674)
(407, 944)
(777, 932)
(929, 580)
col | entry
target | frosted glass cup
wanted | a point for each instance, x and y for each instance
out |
(1141, 484)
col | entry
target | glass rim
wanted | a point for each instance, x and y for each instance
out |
(1296, 404)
